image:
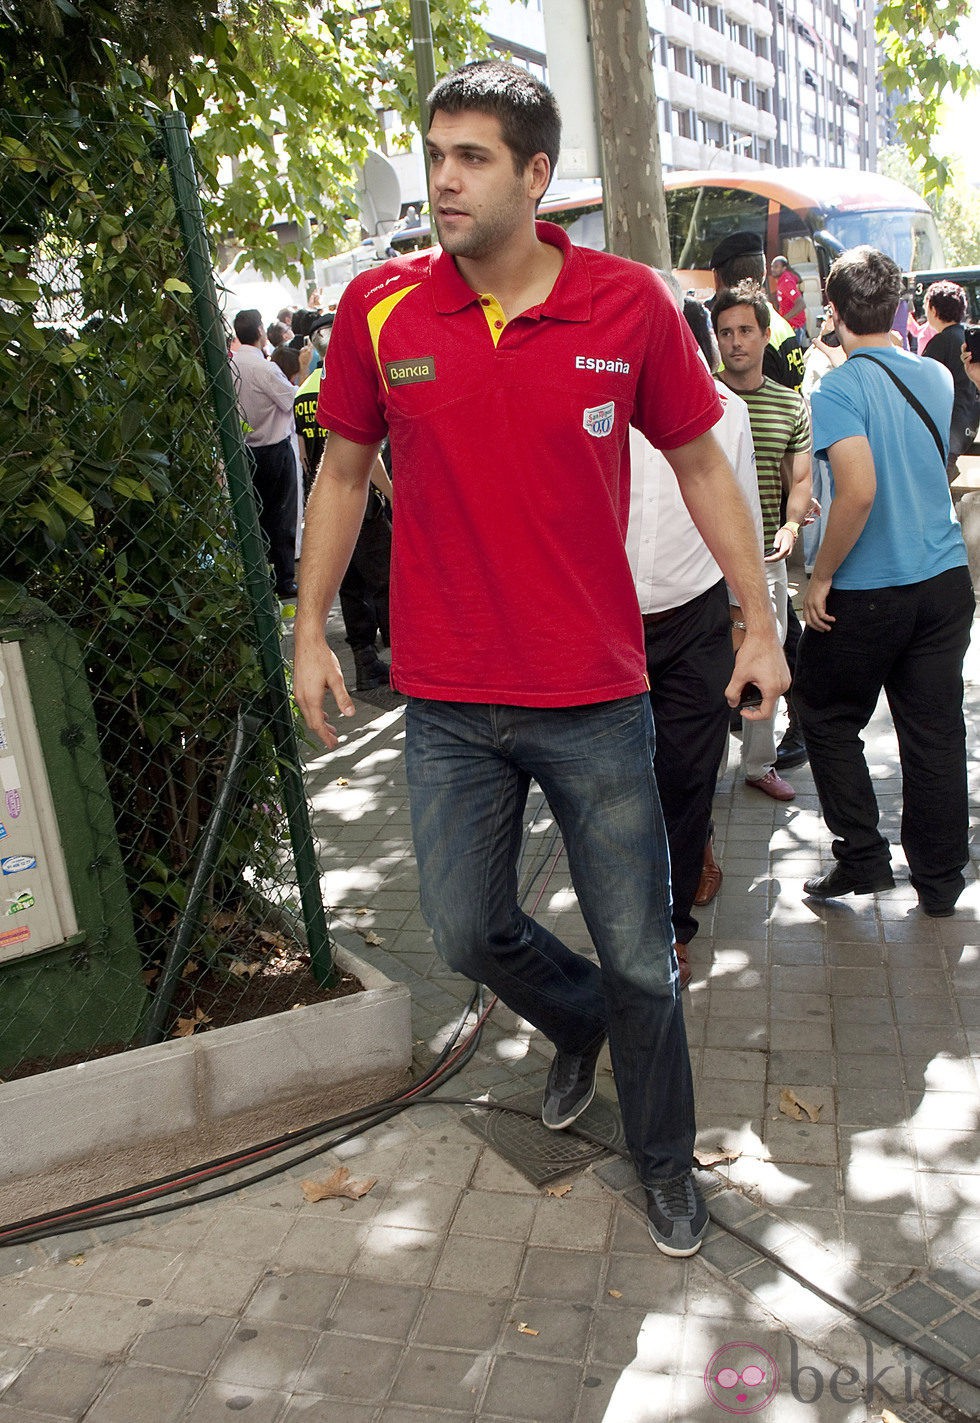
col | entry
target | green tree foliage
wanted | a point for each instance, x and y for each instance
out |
(922, 60)
(284, 108)
(956, 207)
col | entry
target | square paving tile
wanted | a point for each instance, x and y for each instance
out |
(137, 1392)
(183, 1341)
(377, 1309)
(441, 1378)
(221, 1402)
(265, 1355)
(346, 1368)
(459, 1320)
(59, 1383)
(533, 1389)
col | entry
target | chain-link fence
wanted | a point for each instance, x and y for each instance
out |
(158, 873)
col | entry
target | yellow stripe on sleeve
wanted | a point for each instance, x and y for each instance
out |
(377, 317)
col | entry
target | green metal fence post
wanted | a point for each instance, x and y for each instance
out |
(180, 161)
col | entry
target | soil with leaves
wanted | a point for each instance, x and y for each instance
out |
(250, 972)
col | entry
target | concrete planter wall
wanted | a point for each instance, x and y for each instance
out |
(85, 1131)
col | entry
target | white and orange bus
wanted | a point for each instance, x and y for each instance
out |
(808, 215)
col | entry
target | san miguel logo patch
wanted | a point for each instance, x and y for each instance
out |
(599, 420)
(412, 371)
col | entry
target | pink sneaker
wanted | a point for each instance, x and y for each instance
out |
(773, 784)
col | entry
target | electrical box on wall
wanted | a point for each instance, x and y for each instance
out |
(70, 968)
(36, 908)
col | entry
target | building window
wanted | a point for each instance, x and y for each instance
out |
(680, 59)
(763, 48)
(713, 133)
(710, 75)
(711, 15)
(683, 123)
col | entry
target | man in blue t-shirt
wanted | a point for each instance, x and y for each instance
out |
(890, 602)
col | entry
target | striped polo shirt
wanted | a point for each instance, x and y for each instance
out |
(780, 426)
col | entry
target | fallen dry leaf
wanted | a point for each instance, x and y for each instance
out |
(190, 968)
(557, 1190)
(614, 1294)
(275, 940)
(717, 1158)
(243, 970)
(525, 1329)
(76, 1259)
(342, 781)
(889, 1417)
(186, 1026)
(362, 909)
(337, 1184)
(150, 976)
(222, 919)
(798, 1107)
(370, 937)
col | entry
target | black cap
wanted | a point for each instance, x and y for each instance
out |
(325, 319)
(736, 244)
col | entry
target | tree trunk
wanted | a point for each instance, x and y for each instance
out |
(636, 211)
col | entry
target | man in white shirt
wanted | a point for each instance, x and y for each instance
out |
(265, 399)
(688, 617)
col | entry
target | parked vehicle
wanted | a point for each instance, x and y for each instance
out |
(808, 215)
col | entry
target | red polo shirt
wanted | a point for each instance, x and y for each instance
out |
(510, 582)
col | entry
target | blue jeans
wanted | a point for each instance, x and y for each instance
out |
(469, 767)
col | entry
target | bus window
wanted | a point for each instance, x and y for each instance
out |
(587, 230)
(909, 237)
(697, 228)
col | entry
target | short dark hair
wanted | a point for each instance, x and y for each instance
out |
(745, 294)
(747, 267)
(526, 109)
(303, 319)
(697, 319)
(865, 287)
(947, 300)
(247, 325)
(278, 333)
(287, 359)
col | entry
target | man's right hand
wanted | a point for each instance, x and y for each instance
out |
(316, 671)
(759, 660)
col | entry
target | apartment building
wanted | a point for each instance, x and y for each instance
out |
(744, 82)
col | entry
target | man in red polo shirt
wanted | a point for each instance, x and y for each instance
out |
(506, 368)
(789, 295)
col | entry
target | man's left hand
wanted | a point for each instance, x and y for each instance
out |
(815, 613)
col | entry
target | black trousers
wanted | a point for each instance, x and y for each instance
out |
(274, 482)
(911, 641)
(689, 663)
(364, 587)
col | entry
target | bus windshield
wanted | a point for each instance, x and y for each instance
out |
(909, 237)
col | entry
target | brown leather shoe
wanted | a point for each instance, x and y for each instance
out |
(711, 876)
(683, 967)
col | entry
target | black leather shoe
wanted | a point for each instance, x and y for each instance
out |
(286, 590)
(791, 751)
(936, 909)
(841, 880)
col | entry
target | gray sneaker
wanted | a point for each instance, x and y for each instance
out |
(570, 1087)
(677, 1217)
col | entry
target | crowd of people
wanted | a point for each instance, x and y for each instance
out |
(599, 484)
(277, 372)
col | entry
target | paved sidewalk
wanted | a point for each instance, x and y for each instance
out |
(456, 1290)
